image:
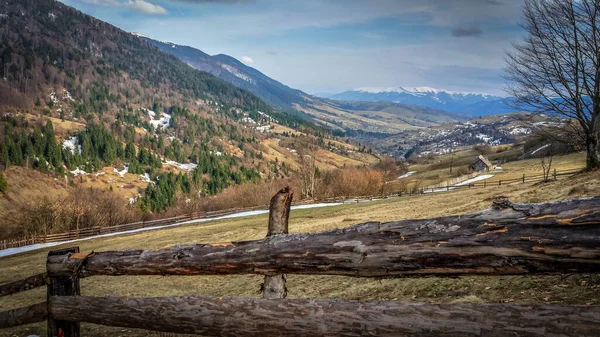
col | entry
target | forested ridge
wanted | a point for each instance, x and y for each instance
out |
(79, 97)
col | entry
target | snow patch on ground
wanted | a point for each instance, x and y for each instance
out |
(133, 200)
(77, 172)
(463, 183)
(70, 144)
(264, 128)
(236, 73)
(472, 180)
(53, 97)
(186, 167)
(12, 251)
(122, 172)
(483, 137)
(520, 131)
(163, 122)
(539, 149)
(407, 174)
(145, 177)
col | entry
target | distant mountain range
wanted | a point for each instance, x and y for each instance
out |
(235, 72)
(472, 104)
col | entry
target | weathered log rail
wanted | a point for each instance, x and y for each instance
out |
(25, 315)
(507, 239)
(31, 282)
(238, 316)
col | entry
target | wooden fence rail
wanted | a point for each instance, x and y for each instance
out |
(496, 183)
(93, 231)
(559, 237)
(31, 282)
(507, 239)
(250, 317)
(25, 315)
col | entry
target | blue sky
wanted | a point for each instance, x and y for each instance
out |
(337, 45)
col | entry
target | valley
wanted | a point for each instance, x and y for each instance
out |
(163, 165)
(544, 289)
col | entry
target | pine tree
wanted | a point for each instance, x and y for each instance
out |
(3, 184)
(130, 154)
(5, 157)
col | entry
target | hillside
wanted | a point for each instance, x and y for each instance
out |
(374, 119)
(472, 104)
(448, 137)
(235, 72)
(89, 105)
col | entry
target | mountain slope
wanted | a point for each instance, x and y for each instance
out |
(375, 118)
(346, 116)
(235, 72)
(48, 45)
(473, 104)
(450, 137)
(81, 100)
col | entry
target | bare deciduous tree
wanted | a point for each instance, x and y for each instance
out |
(308, 171)
(388, 166)
(556, 68)
(546, 161)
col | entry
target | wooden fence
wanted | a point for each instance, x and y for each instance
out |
(555, 175)
(507, 239)
(94, 231)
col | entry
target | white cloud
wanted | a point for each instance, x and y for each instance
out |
(101, 2)
(247, 60)
(145, 7)
(136, 5)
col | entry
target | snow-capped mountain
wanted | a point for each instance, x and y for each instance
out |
(473, 104)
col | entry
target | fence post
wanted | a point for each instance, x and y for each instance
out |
(63, 286)
(554, 175)
(499, 182)
(523, 178)
(279, 214)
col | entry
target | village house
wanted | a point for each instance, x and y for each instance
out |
(481, 163)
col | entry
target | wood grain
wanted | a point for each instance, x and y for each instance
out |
(236, 316)
(507, 239)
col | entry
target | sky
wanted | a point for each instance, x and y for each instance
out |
(330, 46)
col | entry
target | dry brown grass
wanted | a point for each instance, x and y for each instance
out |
(439, 171)
(570, 289)
(27, 184)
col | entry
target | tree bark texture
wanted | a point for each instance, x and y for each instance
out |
(279, 214)
(21, 316)
(31, 282)
(64, 285)
(238, 316)
(507, 239)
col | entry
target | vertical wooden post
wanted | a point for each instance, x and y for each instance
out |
(554, 175)
(499, 182)
(279, 214)
(63, 286)
(523, 178)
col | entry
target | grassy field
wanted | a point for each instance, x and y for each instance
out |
(439, 170)
(569, 289)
